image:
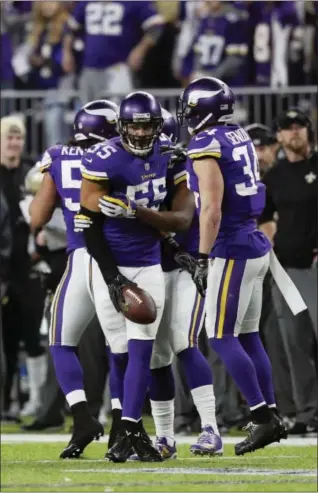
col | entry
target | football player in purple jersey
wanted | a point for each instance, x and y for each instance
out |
(72, 307)
(233, 255)
(220, 44)
(180, 326)
(128, 180)
(117, 37)
(276, 40)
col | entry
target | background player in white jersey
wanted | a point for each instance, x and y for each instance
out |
(72, 307)
(224, 176)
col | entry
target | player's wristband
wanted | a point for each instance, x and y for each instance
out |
(203, 256)
(172, 243)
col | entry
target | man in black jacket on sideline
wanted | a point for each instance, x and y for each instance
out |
(292, 192)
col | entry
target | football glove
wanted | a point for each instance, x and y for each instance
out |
(186, 262)
(183, 259)
(178, 153)
(118, 205)
(200, 276)
(81, 222)
(115, 286)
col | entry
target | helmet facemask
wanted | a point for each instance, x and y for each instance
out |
(140, 134)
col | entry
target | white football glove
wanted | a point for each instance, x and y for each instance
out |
(81, 222)
(118, 205)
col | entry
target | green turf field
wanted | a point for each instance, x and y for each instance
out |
(36, 467)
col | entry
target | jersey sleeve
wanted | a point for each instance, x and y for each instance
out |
(47, 159)
(237, 35)
(203, 145)
(99, 163)
(147, 15)
(176, 174)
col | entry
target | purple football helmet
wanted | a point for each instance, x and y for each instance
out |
(205, 102)
(96, 120)
(140, 122)
(170, 127)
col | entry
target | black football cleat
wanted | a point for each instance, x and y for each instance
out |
(139, 443)
(116, 428)
(282, 432)
(260, 435)
(93, 430)
(121, 449)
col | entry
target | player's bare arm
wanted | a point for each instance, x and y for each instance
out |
(211, 187)
(91, 192)
(269, 230)
(42, 206)
(180, 216)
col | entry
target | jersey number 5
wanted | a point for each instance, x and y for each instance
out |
(247, 156)
(68, 181)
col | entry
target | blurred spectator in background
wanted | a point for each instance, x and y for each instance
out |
(220, 45)
(5, 252)
(13, 17)
(292, 190)
(22, 307)
(265, 143)
(45, 41)
(117, 37)
(156, 70)
(276, 41)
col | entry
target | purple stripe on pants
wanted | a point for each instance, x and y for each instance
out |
(57, 330)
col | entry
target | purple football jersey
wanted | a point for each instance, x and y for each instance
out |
(63, 163)
(144, 180)
(279, 17)
(221, 34)
(112, 29)
(244, 194)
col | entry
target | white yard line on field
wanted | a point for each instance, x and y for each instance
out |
(181, 459)
(194, 471)
(181, 440)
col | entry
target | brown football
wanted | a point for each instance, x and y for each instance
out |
(139, 307)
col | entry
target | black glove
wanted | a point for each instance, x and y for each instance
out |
(186, 262)
(200, 277)
(184, 259)
(115, 286)
(178, 153)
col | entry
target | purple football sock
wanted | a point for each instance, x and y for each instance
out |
(240, 367)
(68, 369)
(253, 346)
(196, 368)
(118, 363)
(161, 386)
(136, 378)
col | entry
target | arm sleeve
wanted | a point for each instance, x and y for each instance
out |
(97, 245)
